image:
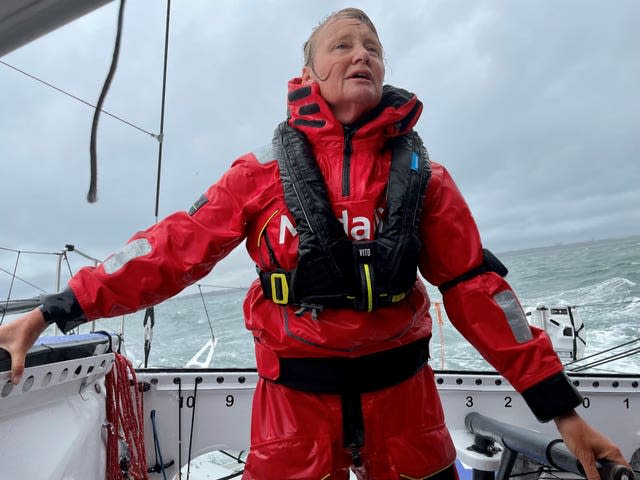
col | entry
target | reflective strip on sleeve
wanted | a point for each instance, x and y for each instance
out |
(199, 203)
(135, 249)
(515, 316)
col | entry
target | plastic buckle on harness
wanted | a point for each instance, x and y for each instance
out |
(279, 289)
(398, 297)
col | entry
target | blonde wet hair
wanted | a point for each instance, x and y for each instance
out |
(309, 46)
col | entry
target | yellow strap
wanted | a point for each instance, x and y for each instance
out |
(367, 277)
(285, 288)
(265, 225)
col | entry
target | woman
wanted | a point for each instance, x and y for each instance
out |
(339, 214)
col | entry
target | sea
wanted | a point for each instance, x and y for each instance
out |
(600, 279)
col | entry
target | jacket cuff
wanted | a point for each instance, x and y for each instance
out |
(62, 309)
(551, 397)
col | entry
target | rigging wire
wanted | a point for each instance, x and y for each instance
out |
(29, 252)
(93, 184)
(225, 287)
(22, 280)
(604, 351)
(605, 360)
(14, 276)
(66, 261)
(586, 305)
(573, 366)
(89, 104)
(178, 380)
(609, 371)
(149, 317)
(15, 268)
(597, 363)
(204, 304)
(69, 248)
(193, 418)
(164, 90)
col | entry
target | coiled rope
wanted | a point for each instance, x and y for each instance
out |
(126, 457)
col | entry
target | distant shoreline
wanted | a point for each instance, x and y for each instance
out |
(569, 245)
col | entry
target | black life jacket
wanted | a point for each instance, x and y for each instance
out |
(332, 270)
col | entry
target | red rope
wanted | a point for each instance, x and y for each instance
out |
(125, 422)
(437, 305)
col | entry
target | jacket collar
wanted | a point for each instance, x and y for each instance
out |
(307, 111)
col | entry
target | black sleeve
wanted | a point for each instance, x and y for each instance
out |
(62, 309)
(552, 397)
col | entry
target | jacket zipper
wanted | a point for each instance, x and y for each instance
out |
(346, 161)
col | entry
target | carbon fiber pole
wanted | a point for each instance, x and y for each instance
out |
(539, 447)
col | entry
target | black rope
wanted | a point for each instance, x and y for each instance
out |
(164, 90)
(108, 335)
(78, 99)
(159, 467)
(13, 277)
(93, 185)
(238, 458)
(193, 418)
(178, 380)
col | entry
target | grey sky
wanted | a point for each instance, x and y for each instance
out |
(534, 107)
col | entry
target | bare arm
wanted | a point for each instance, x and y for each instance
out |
(17, 338)
(587, 444)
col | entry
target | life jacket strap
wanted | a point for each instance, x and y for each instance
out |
(277, 287)
(332, 270)
(352, 425)
(350, 378)
(490, 263)
(361, 374)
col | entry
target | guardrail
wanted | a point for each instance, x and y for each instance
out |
(534, 446)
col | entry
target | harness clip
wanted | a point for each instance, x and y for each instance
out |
(305, 307)
(279, 288)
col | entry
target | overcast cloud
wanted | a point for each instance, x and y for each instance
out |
(534, 107)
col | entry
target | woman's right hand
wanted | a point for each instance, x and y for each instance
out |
(17, 338)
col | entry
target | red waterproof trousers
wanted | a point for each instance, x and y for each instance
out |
(405, 433)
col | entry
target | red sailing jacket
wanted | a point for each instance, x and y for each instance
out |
(248, 203)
